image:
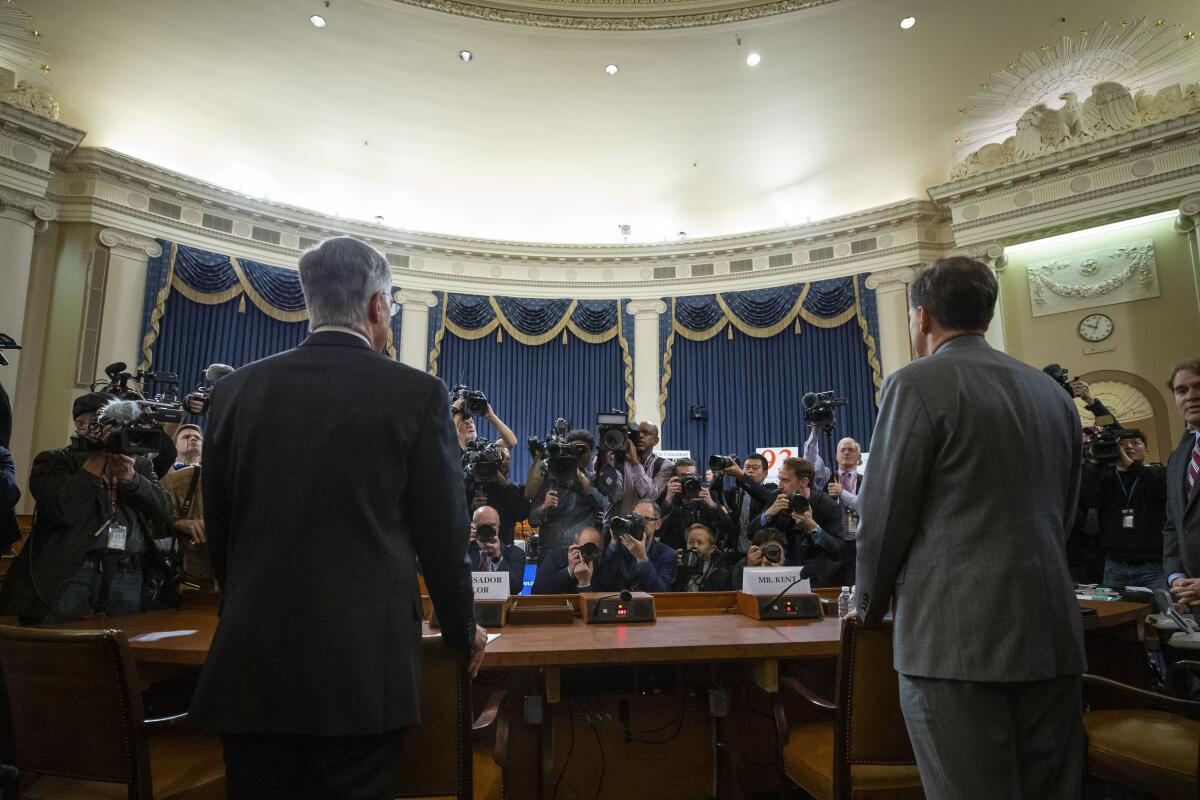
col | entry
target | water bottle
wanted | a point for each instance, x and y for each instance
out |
(844, 602)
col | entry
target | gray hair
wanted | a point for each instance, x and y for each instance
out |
(338, 278)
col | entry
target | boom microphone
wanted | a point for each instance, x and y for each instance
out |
(215, 372)
(120, 412)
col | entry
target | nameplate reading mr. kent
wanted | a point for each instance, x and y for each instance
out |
(771, 581)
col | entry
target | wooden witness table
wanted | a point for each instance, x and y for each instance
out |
(696, 629)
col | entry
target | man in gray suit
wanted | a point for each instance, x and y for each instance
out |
(1181, 533)
(965, 507)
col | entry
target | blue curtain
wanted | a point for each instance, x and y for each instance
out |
(752, 387)
(531, 386)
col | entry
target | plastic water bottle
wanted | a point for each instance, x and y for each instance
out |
(844, 602)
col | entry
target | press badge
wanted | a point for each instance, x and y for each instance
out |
(1127, 519)
(117, 534)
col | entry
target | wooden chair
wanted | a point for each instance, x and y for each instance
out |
(862, 750)
(1144, 740)
(440, 761)
(76, 726)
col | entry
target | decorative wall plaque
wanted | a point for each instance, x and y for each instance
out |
(1095, 278)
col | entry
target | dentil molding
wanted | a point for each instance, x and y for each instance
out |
(132, 243)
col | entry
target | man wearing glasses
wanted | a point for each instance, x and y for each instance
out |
(637, 563)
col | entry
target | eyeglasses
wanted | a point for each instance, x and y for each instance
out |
(647, 519)
(393, 306)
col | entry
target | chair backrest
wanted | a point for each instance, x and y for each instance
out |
(437, 753)
(870, 723)
(74, 706)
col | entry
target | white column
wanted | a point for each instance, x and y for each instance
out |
(1186, 223)
(121, 324)
(891, 305)
(413, 347)
(20, 218)
(996, 260)
(647, 360)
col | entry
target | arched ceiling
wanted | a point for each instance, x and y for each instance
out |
(376, 115)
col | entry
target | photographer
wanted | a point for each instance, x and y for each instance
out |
(635, 559)
(507, 498)
(768, 549)
(488, 553)
(94, 523)
(745, 492)
(564, 503)
(184, 485)
(696, 567)
(658, 469)
(812, 522)
(1130, 500)
(687, 504)
(622, 479)
(571, 570)
(464, 424)
(843, 486)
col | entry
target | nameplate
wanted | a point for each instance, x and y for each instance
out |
(490, 585)
(771, 581)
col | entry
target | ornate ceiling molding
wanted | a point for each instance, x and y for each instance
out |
(615, 15)
(21, 48)
(1142, 54)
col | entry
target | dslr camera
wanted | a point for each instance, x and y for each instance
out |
(797, 503)
(481, 461)
(819, 407)
(718, 463)
(771, 551)
(486, 534)
(616, 431)
(203, 392)
(690, 487)
(631, 524)
(475, 402)
(692, 563)
(589, 552)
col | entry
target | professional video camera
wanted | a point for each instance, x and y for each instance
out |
(203, 392)
(161, 407)
(616, 431)
(690, 487)
(631, 524)
(819, 406)
(718, 463)
(1105, 446)
(475, 402)
(7, 343)
(123, 427)
(481, 460)
(559, 456)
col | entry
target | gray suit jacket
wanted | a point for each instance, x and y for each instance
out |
(1181, 533)
(966, 504)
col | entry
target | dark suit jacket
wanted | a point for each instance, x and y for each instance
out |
(718, 579)
(512, 561)
(552, 576)
(968, 497)
(328, 470)
(1181, 533)
(617, 569)
(819, 551)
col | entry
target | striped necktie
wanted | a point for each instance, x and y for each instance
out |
(848, 486)
(1193, 473)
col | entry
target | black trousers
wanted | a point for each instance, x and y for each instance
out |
(268, 767)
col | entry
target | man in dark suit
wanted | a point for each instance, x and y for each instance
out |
(746, 494)
(315, 668)
(1181, 533)
(487, 551)
(815, 534)
(968, 498)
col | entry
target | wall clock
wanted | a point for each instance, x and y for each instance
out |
(1095, 327)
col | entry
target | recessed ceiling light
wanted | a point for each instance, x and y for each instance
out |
(908, 22)
(317, 21)
(611, 69)
(753, 59)
(465, 55)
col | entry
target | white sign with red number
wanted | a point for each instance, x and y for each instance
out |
(776, 456)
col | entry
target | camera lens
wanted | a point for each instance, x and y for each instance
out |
(772, 552)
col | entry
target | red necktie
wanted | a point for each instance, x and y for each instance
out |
(483, 563)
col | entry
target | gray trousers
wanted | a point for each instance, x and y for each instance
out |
(979, 741)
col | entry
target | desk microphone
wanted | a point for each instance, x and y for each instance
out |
(629, 608)
(624, 594)
(803, 574)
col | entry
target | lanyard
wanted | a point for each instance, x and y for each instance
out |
(1128, 492)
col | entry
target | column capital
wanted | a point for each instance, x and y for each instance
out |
(645, 308)
(414, 298)
(38, 211)
(134, 245)
(1189, 214)
(891, 280)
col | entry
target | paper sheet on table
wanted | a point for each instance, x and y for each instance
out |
(492, 637)
(154, 637)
